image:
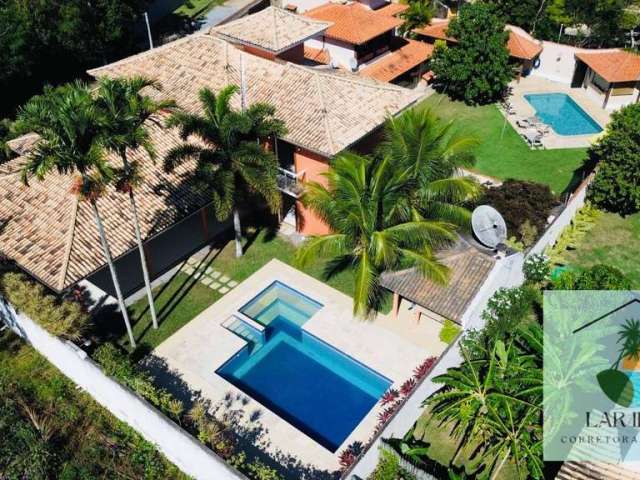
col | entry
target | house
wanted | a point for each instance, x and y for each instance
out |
(524, 50)
(52, 236)
(610, 77)
(469, 268)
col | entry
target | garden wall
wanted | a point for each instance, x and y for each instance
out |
(551, 234)
(178, 446)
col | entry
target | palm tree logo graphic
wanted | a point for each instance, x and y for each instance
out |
(620, 384)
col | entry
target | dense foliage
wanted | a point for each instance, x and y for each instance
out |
(48, 42)
(389, 468)
(598, 277)
(59, 317)
(50, 429)
(531, 15)
(616, 187)
(521, 203)
(476, 69)
(418, 14)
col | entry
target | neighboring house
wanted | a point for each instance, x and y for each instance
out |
(469, 268)
(52, 236)
(524, 50)
(610, 77)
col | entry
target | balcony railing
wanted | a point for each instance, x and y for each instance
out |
(290, 182)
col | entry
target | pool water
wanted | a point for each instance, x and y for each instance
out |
(313, 386)
(562, 114)
(278, 301)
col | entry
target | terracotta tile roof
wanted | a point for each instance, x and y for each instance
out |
(398, 62)
(353, 23)
(436, 29)
(520, 44)
(53, 236)
(272, 29)
(324, 112)
(317, 55)
(613, 65)
(469, 269)
(392, 9)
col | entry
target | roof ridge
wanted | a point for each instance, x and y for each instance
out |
(275, 30)
(69, 243)
(325, 118)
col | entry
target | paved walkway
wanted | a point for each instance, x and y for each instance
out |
(523, 109)
(208, 276)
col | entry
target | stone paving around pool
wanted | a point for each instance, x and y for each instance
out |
(551, 140)
(197, 350)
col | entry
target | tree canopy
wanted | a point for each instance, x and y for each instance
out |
(50, 42)
(616, 187)
(476, 69)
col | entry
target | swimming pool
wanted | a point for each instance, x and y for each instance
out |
(562, 114)
(321, 391)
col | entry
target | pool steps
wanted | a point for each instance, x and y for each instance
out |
(247, 329)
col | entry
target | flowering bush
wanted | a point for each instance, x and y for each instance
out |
(536, 268)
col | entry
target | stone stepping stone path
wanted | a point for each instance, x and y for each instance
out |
(208, 276)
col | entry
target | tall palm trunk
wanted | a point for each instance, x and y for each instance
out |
(143, 257)
(112, 269)
(238, 231)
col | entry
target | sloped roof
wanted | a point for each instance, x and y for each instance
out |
(613, 65)
(272, 29)
(50, 234)
(468, 268)
(520, 44)
(23, 143)
(323, 112)
(392, 9)
(398, 62)
(353, 23)
(317, 55)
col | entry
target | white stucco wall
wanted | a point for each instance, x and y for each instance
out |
(341, 53)
(177, 445)
(304, 5)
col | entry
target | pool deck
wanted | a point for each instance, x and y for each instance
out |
(523, 109)
(196, 351)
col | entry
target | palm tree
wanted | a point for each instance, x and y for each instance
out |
(372, 227)
(629, 336)
(418, 14)
(68, 122)
(125, 112)
(434, 152)
(232, 160)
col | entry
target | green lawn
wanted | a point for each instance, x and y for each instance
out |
(504, 154)
(614, 241)
(443, 447)
(195, 8)
(181, 299)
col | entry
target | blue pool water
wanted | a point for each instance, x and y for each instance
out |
(562, 114)
(278, 301)
(316, 388)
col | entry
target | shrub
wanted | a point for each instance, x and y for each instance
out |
(449, 332)
(521, 202)
(477, 68)
(616, 184)
(536, 268)
(506, 309)
(598, 277)
(573, 234)
(61, 318)
(389, 468)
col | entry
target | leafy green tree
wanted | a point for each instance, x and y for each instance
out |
(597, 277)
(433, 152)
(522, 13)
(418, 14)
(477, 68)
(365, 206)
(125, 111)
(233, 161)
(70, 127)
(616, 186)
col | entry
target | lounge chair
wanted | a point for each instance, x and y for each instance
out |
(533, 138)
(524, 123)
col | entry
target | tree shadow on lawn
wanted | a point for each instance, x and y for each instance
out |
(244, 422)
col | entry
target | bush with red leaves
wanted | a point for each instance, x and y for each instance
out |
(389, 396)
(421, 370)
(407, 387)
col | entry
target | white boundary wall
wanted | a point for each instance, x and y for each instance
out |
(177, 445)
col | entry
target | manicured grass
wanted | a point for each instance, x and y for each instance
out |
(504, 154)
(183, 298)
(195, 8)
(614, 241)
(443, 447)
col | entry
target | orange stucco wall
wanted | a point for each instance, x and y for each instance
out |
(313, 165)
(258, 52)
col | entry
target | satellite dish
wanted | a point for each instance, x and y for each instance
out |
(488, 226)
